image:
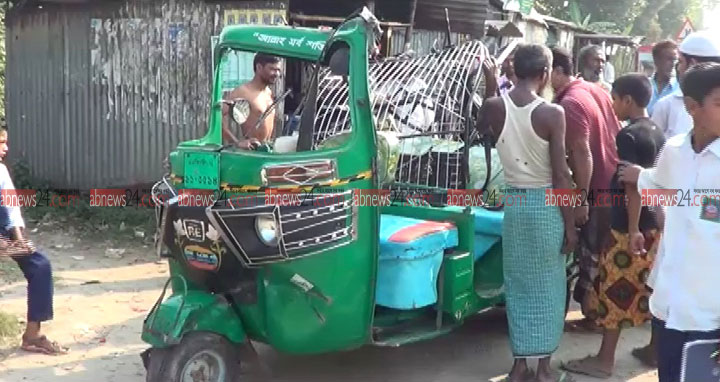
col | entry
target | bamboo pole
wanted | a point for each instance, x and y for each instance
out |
(409, 31)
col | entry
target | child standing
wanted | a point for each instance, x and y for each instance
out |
(685, 303)
(34, 265)
(624, 266)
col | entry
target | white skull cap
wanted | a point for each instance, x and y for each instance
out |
(701, 44)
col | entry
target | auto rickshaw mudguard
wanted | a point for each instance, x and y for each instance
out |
(193, 310)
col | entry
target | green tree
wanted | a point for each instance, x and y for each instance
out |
(597, 13)
(637, 17)
(672, 17)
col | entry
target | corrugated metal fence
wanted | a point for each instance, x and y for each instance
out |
(97, 95)
(423, 41)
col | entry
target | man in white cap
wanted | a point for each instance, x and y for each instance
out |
(670, 113)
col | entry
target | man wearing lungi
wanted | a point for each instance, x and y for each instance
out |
(590, 141)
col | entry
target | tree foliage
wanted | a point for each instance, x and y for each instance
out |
(652, 18)
(673, 16)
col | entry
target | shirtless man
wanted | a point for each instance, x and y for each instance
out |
(258, 93)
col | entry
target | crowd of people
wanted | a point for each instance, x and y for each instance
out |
(637, 263)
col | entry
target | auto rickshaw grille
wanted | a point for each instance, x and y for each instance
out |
(318, 222)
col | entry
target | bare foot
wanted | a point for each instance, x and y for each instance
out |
(591, 366)
(525, 375)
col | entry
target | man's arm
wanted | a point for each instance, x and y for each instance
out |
(489, 69)
(577, 141)
(634, 208)
(489, 117)
(658, 177)
(227, 134)
(554, 119)
(226, 116)
(265, 130)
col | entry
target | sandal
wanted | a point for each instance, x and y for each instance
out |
(43, 345)
(585, 366)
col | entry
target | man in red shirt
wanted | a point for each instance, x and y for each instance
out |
(590, 141)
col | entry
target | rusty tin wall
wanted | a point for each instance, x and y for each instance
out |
(466, 16)
(98, 95)
(423, 41)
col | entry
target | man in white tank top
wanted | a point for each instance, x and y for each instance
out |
(530, 137)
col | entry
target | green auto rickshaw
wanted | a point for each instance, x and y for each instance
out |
(328, 270)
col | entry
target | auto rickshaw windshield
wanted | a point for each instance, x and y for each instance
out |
(265, 97)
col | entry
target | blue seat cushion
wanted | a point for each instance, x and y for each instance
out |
(488, 222)
(411, 252)
(408, 238)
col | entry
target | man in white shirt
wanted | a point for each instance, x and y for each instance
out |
(685, 300)
(34, 265)
(669, 113)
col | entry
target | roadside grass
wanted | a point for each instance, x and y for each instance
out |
(9, 271)
(10, 329)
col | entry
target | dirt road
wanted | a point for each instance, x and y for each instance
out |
(102, 298)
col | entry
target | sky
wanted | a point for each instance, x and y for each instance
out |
(711, 18)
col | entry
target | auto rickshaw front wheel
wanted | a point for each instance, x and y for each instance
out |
(200, 357)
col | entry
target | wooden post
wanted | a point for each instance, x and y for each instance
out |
(409, 31)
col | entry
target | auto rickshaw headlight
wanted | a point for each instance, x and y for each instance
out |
(267, 230)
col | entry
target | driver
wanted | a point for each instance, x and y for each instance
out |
(259, 95)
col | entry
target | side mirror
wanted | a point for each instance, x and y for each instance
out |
(241, 111)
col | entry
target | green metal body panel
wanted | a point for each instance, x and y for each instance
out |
(458, 292)
(195, 310)
(302, 43)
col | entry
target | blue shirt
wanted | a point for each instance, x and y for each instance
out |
(657, 94)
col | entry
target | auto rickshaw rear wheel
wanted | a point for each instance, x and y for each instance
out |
(200, 357)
